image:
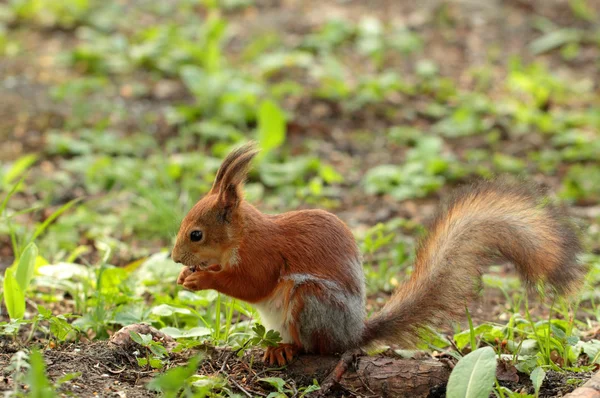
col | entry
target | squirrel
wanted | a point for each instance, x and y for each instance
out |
(302, 270)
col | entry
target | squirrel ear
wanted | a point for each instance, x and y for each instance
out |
(228, 186)
(233, 157)
(229, 200)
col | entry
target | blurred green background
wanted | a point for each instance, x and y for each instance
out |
(370, 110)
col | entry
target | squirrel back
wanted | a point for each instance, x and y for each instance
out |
(479, 224)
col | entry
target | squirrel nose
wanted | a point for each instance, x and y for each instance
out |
(175, 257)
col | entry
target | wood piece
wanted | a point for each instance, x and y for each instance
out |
(378, 376)
(591, 389)
(122, 337)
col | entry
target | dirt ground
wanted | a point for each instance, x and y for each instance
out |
(27, 113)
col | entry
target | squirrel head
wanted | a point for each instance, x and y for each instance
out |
(209, 233)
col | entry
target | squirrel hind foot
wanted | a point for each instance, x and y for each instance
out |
(282, 354)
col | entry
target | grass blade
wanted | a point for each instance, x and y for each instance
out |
(40, 230)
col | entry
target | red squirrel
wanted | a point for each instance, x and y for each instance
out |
(303, 272)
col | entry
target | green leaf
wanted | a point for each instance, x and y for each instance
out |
(14, 189)
(68, 377)
(271, 126)
(39, 230)
(172, 381)
(136, 337)
(208, 386)
(526, 364)
(591, 349)
(156, 363)
(26, 266)
(329, 174)
(17, 168)
(60, 327)
(581, 9)
(39, 385)
(474, 375)
(46, 313)
(277, 382)
(13, 295)
(168, 310)
(537, 378)
(158, 350)
(463, 338)
(176, 333)
(555, 39)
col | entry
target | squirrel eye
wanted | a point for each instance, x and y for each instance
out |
(196, 236)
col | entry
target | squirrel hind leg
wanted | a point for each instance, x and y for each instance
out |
(329, 319)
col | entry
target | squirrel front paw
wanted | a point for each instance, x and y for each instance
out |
(200, 280)
(283, 354)
(185, 272)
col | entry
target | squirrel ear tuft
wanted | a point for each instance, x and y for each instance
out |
(247, 151)
(231, 176)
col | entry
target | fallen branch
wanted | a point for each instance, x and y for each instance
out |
(376, 376)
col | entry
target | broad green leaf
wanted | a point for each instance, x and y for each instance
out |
(463, 338)
(276, 382)
(591, 349)
(206, 384)
(171, 381)
(156, 363)
(555, 39)
(537, 378)
(168, 310)
(158, 350)
(136, 337)
(271, 126)
(176, 333)
(112, 279)
(474, 375)
(65, 271)
(13, 295)
(526, 364)
(26, 266)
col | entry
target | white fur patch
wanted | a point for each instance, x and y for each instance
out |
(274, 316)
(234, 257)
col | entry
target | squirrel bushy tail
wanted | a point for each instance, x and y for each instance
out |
(478, 225)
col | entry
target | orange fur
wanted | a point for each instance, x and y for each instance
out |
(296, 262)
